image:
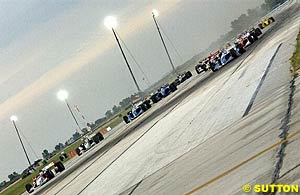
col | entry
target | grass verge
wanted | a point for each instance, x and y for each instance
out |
(295, 59)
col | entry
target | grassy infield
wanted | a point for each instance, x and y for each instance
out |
(295, 59)
(18, 187)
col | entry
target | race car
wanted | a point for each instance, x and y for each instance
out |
(137, 110)
(45, 175)
(202, 66)
(215, 64)
(246, 38)
(163, 91)
(235, 49)
(88, 143)
(266, 22)
(256, 31)
(227, 57)
(96, 137)
(182, 77)
(156, 97)
(223, 58)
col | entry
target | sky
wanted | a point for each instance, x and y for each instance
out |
(47, 45)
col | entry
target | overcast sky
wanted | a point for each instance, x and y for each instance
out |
(62, 44)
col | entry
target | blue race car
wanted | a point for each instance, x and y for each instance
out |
(163, 92)
(137, 110)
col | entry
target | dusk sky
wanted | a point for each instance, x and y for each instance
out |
(47, 45)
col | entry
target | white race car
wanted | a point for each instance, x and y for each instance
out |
(45, 174)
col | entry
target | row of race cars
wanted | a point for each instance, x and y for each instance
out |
(215, 61)
(232, 50)
(54, 168)
(162, 92)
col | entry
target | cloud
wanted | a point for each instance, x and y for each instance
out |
(66, 68)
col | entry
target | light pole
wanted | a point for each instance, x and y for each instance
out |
(63, 96)
(111, 23)
(154, 15)
(13, 120)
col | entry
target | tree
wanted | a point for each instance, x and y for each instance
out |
(13, 176)
(116, 109)
(3, 183)
(254, 13)
(45, 154)
(124, 102)
(99, 121)
(76, 136)
(59, 147)
(10, 177)
(84, 130)
(92, 125)
(240, 23)
(108, 114)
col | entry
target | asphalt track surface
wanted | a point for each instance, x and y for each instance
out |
(198, 132)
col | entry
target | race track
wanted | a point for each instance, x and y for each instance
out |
(199, 132)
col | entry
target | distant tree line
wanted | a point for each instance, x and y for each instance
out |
(13, 177)
(123, 104)
(243, 22)
(60, 146)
